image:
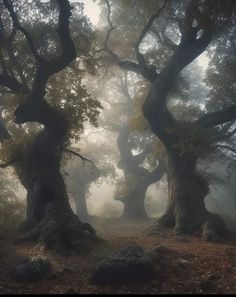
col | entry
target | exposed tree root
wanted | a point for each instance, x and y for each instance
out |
(214, 228)
(60, 233)
(210, 226)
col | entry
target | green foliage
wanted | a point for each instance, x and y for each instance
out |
(65, 90)
(221, 73)
(67, 93)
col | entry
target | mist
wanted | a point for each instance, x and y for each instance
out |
(117, 146)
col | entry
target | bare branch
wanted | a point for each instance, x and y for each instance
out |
(78, 155)
(231, 133)
(128, 65)
(218, 117)
(110, 23)
(149, 24)
(226, 147)
(146, 71)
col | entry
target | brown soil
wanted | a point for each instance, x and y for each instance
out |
(212, 267)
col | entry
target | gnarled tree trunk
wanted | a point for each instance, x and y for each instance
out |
(50, 219)
(186, 210)
(186, 188)
(137, 178)
(134, 201)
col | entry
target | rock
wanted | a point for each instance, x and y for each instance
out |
(125, 265)
(31, 270)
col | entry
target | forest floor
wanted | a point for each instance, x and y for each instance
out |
(211, 269)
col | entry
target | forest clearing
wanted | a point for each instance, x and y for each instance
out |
(208, 268)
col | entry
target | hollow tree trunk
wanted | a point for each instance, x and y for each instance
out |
(186, 210)
(50, 219)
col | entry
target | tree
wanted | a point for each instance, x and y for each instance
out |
(50, 220)
(122, 116)
(137, 179)
(196, 23)
(81, 175)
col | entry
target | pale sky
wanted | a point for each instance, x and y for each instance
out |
(92, 10)
(203, 60)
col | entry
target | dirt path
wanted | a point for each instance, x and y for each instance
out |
(211, 269)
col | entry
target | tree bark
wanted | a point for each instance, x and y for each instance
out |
(187, 189)
(50, 219)
(134, 201)
(186, 210)
(137, 178)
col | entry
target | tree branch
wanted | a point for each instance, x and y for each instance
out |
(78, 155)
(218, 117)
(13, 59)
(226, 147)
(8, 4)
(151, 74)
(45, 69)
(155, 175)
(127, 65)
(68, 48)
(139, 158)
(189, 48)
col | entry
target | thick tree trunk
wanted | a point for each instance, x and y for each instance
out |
(137, 178)
(50, 219)
(134, 202)
(186, 210)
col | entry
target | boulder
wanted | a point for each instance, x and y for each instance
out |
(125, 265)
(31, 270)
